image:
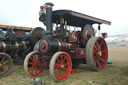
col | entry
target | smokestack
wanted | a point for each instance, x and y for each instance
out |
(49, 18)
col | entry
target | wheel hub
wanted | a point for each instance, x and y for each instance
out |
(1, 66)
(36, 64)
(62, 66)
(99, 53)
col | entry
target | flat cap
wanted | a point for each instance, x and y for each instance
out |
(41, 7)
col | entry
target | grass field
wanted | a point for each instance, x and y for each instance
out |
(113, 74)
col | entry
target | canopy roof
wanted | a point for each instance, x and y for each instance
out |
(76, 19)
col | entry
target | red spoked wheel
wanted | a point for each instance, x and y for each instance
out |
(96, 53)
(60, 66)
(34, 64)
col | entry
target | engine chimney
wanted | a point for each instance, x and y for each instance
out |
(49, 18)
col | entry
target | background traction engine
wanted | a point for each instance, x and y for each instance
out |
(64, 46)
(14, 45)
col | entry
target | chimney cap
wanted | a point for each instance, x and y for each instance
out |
(49, 5)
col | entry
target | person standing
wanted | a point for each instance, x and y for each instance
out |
(42, 14)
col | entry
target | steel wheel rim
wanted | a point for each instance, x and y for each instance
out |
(4, 65)
(100, 54)
(35, 66)
(60, 67)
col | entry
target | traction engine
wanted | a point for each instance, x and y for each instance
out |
(14, 45)
(69, 40)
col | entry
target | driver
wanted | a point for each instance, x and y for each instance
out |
(42, 15)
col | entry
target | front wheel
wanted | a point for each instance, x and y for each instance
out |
(60, 66)
(33, 64)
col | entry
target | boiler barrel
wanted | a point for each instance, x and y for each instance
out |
(47, 46)
(17, 46)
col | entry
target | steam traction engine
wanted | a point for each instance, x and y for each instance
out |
(66, 44)
(14, 45)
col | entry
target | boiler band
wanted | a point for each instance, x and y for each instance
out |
(17, 46)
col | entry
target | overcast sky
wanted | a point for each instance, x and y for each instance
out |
(26, 12)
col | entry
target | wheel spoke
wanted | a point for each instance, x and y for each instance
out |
(60, 74)
(58, 61)
(68, 70)
(32, 69)
(39, 58)
(36, 68)
(65, 64)
(95, 59)
(29, 68)
(2, 59)
(95, 51)
(101, 43)
(64, 72)
(98, 45)
(5, 62)
(100, 58)
(61, 57)
(59, 71)
(1, 69)
(56, 65)
(35, 58)
(103, 51)
(32, 59)
(30, 63)
(95, 47)
(63, 60)
(64, 69)
(99, 65)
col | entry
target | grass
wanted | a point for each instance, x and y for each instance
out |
(113, 74)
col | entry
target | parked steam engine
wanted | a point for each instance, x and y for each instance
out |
(69, 40)
(14, 45)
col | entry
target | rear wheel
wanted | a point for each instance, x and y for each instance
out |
(60, 66)
(6, 64)
(33, 64)
(96, 53)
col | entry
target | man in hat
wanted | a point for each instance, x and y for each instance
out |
(42, 14)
